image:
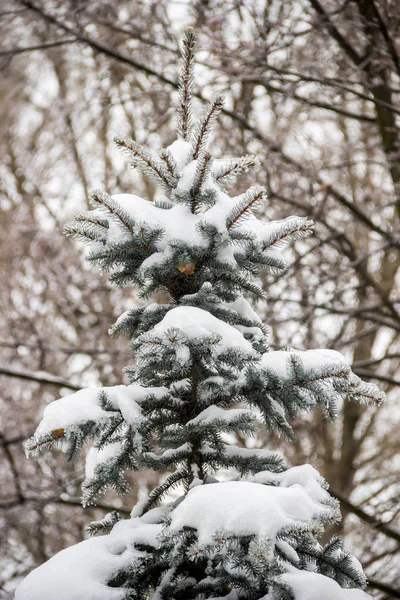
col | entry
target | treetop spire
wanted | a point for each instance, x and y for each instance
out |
(186, 84)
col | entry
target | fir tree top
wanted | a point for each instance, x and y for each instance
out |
(203, 375)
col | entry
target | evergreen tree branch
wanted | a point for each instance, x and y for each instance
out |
(236, 167)
(106, 202)
(203, 130)
(249, 199)
(202, 172)
(170, 163)
(143, 159)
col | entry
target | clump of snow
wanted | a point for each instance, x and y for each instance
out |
(210, 414)
(180, 150)
(304, 475)
(178, 222)
(95, 457)
(308, 585)
(82, 572)
(255, 332)
(243, 308)
(85, 405)
(187, 176)
(196, 322)
(312, 359)
(288, 551)
(248, 452)
(74, 409)
(241, 508)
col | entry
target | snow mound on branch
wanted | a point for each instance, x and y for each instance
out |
(178, 223)
(85, 405)
(307, 585)
(81, 572)
(196, 323)
(241, 508)
(180, 150)
(244, 309)
(312, 359)
(212, 413)
(304, 475)
(96, 457)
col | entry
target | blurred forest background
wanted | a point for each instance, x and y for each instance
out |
(313, 88)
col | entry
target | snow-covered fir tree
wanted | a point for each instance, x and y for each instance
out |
(226, 521)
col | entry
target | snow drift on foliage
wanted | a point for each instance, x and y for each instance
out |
(196, 323)
(313, 586)
(85, 405)
(81, 572)
(242, 508)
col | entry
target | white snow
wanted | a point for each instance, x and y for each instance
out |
(311, 359)
(95, 457)
(244, 508)
(256, 332)
(75, 409)
(243, 308)
(180, 150)
(308, 585)
(196, 323)
(182, 355)
(187, 177)
(178, 222)
(288, 550)
(304, 475)
(84, 406)
(210, 414)
(248, 452)
(81, 572)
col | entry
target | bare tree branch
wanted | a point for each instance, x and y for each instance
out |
(44, 46)
(361, 514)
(22, 499)
(40, 377)
(63, 349)
(377, 376)
(383, 587)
